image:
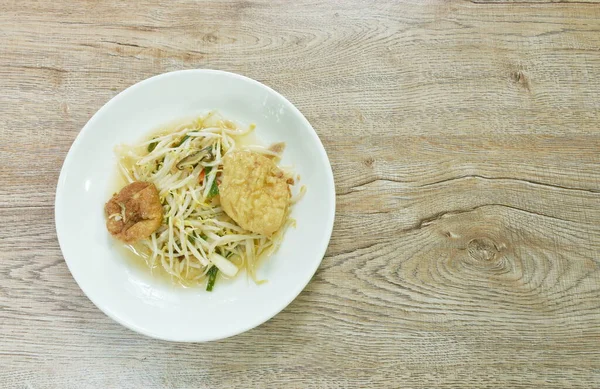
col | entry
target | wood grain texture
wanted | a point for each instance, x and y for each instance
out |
(466, 151)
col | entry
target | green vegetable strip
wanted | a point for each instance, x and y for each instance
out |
(212, 277)
(182, 140)
(152, 146)
(214, 189)
(194, 237)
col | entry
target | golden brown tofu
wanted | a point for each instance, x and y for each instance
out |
(134, 213)
(254, 192)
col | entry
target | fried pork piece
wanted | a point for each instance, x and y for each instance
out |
(254, 192)
(134, 213)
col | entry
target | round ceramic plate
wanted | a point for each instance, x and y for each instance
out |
(127, 292)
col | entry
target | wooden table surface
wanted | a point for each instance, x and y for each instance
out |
(465, 142)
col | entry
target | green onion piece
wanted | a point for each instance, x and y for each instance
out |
(193, 238)
(214, 190)
(212, 277)
(152, 146)
(182, 140)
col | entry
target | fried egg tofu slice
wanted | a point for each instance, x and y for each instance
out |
(254, 192)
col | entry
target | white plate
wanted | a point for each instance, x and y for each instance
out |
(129, 294)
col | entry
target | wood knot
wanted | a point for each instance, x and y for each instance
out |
(369, 162)
(211, 38)
(482, 249)
(521, 79)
